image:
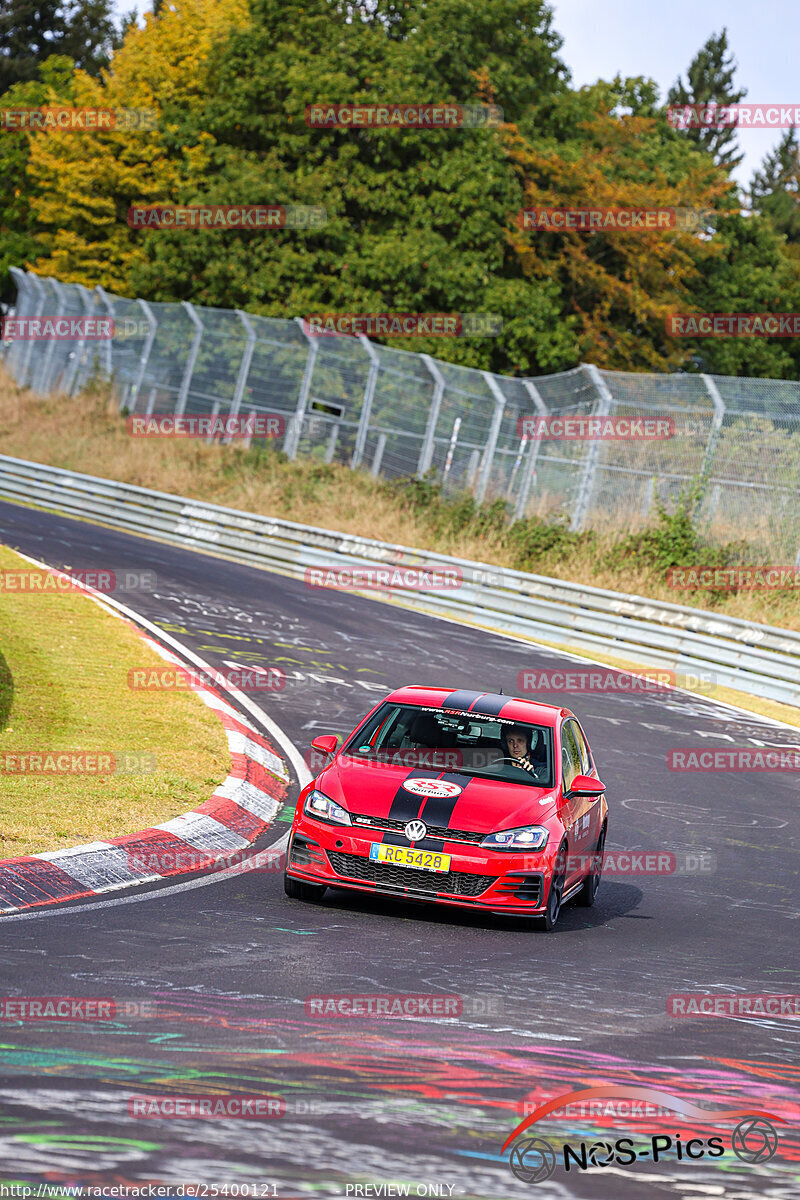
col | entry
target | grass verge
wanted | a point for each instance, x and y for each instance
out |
(63, 688)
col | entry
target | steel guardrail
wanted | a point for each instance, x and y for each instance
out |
(762, 660)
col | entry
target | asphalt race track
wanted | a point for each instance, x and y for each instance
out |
(228, 964)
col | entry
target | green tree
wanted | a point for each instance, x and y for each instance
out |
(418, 220)
(709, 80)
(775, 189)
(749, 272)
(32, 30)
(614, 149)
(18, 245)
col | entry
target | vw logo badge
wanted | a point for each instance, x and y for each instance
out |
(415, 831)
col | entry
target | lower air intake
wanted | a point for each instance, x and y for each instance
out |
(455, 883)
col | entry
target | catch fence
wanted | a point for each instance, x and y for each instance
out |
(397, 413)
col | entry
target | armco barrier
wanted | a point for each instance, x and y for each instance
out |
(758, 659)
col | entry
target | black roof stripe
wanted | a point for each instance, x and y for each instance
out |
(490, 705)
(461, 700)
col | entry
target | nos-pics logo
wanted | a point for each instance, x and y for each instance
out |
(533, 1159)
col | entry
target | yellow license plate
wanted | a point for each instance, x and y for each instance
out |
(420, 860)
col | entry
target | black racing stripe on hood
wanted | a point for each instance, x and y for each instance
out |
(461, 700)
(489, 705)
(405, 805)
(439, 809)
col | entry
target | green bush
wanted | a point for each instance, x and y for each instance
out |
(674, 541)
(533, 539)
(530, 540)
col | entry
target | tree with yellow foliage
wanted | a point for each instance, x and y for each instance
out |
(84, 182)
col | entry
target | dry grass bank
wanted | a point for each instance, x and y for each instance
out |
(87, 434)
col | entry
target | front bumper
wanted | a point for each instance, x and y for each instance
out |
(501, 882)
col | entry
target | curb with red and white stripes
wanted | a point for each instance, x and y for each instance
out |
(239, 812)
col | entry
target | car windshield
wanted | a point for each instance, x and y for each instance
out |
(460, 743)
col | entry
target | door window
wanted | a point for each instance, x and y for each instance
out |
(583, 748)
(570, 755)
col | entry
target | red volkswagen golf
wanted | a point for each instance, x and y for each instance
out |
(466, 798)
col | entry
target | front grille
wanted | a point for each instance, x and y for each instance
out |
(457, 883)
(437, 831)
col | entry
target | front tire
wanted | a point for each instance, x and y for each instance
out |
(553, 909)
(588, 893)
(297, 889)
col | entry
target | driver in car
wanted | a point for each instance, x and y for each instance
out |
(517, 747)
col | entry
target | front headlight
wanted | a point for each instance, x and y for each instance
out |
(324, 809)
(528, 837)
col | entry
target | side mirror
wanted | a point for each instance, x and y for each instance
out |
(325, 743)
(586, 785)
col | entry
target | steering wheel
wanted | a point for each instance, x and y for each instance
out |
(496, 761)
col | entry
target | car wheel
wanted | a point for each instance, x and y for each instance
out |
(556, 891)
(586, 896)
(296, 889)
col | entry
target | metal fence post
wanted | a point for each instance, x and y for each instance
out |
(451, 449)
(529, 468)
(23, 279)
(8, 350)
(494, 433)
(244, 367)
(588, 477)
(109, 307)
(377, 458)
(366, 404)
(144, 357)
(295, 425)
(183, 393)
(42, 375)
(72, 369)
(713, 436)
(426, 450)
